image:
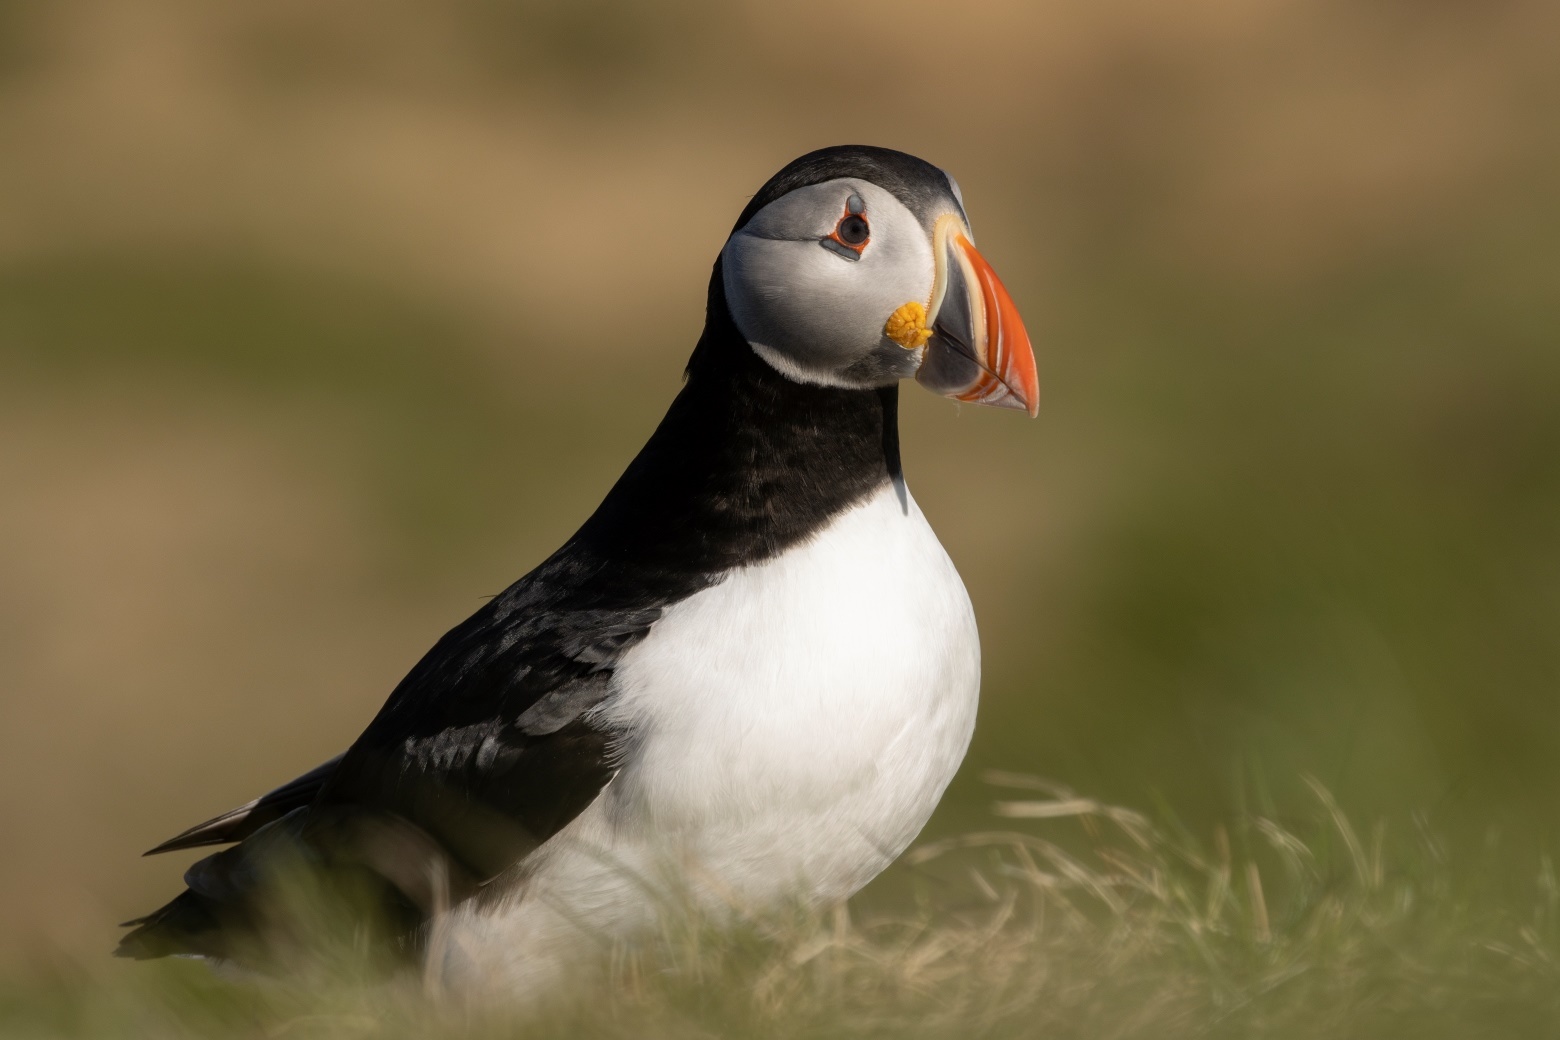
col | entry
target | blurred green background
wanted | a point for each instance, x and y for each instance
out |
(319, 322)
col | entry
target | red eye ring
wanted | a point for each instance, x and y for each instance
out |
(851, 231)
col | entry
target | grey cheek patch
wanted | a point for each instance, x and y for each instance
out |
(958, 196)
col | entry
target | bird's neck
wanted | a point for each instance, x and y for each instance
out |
(745, 464)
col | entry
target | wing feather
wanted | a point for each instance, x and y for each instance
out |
(238, 824)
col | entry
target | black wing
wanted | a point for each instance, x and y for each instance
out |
(489, 744)
(485, 750)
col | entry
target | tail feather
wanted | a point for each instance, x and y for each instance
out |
(186, 926)
(302, 882)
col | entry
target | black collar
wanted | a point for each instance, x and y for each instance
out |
(746, 463)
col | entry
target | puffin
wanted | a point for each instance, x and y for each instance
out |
(744, 683)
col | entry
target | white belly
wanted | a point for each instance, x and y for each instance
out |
(793, 728)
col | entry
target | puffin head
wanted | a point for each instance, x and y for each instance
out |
(855, 267)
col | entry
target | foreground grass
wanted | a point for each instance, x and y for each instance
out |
(1083, 920)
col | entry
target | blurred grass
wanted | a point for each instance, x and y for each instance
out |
(1139, 931)
(319, 323)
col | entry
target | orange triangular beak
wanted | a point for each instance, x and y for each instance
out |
(979, 351)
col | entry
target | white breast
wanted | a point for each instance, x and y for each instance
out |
(793, 728)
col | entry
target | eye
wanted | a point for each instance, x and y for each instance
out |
(852, 233)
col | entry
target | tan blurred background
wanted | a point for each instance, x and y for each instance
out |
(319, 322)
